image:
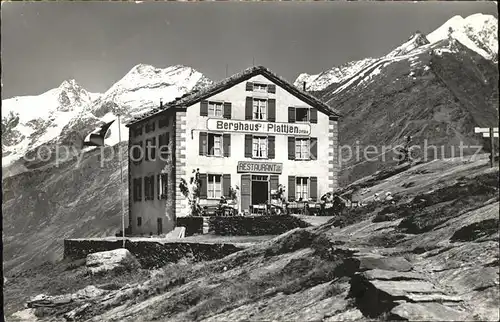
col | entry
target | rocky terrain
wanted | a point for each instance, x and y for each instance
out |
(432, 255)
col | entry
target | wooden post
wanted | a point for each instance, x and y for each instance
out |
(492, 143)
(121, 180)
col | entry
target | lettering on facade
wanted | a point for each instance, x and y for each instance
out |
(258, 127)
(260, 167)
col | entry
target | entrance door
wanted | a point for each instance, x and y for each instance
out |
(260, 189)
(159, 222)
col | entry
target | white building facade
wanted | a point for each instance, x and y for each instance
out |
(253, 131)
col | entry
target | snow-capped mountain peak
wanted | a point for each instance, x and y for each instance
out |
(144, 86)
(479, 32)
(71, 95)
(32, 121)
(416, 40)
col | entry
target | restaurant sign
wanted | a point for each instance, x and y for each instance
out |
(258, 127)
(260, 167)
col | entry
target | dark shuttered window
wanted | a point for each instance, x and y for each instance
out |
(204, 108)
(226, 184)
(291, 114)
(313, 146)
(248, 108)
(203, 186)
(227, 110)
(291, 188)
(313, 116)
(248, 145)
(291, 148)
(226, 140)
(271, 110)
(271, 147)
(313, 188)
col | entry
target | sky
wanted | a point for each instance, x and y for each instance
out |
(97, 43)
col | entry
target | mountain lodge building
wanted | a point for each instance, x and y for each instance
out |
(253, 130)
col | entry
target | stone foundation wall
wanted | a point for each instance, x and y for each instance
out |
(254, 225)
(150, 254)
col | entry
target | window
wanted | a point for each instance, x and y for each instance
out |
(137, 130)
(139, 221)
(301, 114)
(163, 141)
(149, 186)
(302, 149)
(259, 109)
(150, 150)
(215, 109)
(162, 185)
(260, 87)
(215, 144)
(302, 188)
(150, 127)
(138, 189)
(259, 149)
(163, 122)
(214, 186)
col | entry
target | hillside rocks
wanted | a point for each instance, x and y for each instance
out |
(113, 260)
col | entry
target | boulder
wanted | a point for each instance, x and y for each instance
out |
(114, 260)
(368, 262)
(426, 312)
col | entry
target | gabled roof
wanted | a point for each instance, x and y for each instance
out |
(195, 96)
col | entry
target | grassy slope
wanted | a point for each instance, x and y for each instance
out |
(296, 276)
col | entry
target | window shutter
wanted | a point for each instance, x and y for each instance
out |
(226, 141)
(249, 86)
(313, 149)
(291, 114)
(270, 147)
(248, 108)
(203, 186)
(274, 182)
(226, 184)
(139, 189)
(164, 190)
(246, 188)
(204, 108)
(291, 188)
(291, 148)
(227, 110)
(146, 188)
(313, 115)
(158, 184)
(203, 143)
(271, 88)
(313, 187)
(248, 145)
(271, 110)
(152, 183)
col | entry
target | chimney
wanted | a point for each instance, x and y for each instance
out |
(161, 104)
(304, 86)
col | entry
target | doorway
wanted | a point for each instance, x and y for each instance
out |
(260, 189)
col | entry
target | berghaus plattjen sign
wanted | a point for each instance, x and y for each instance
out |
(258, 127)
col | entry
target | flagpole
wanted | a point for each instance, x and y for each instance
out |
(121, 180)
